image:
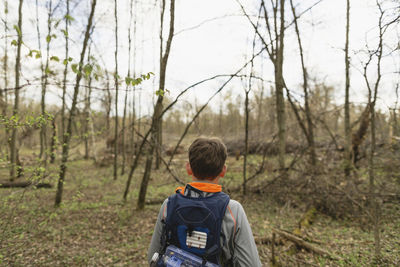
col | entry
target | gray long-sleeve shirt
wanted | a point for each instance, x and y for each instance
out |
(239, 243)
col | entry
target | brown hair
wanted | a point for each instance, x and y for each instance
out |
(207, 157)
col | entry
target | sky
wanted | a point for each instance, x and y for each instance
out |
(212, 38)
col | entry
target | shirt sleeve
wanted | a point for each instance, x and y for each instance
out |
(155, 244)
(245, 249)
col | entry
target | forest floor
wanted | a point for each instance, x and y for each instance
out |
(94, 228)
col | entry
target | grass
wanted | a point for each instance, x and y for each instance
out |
(93, 227)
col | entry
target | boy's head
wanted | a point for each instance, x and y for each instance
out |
(207, 158)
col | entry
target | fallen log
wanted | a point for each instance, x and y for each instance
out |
(304, 244)
(24, 184)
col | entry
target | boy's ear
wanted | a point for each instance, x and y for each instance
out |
(189, 169)
(222, 174)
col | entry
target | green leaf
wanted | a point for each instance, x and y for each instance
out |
(37, 53)
(55, 58)
(17, 29)
(47, 70)
(74, 68)
(64, 32)
(70, 59)
(160, 93)
(14, 42)
(69, 18)
(65, 61)
(48, 38)
(87, 69)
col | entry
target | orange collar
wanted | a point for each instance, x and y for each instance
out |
(205, 187)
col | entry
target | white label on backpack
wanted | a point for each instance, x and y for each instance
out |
(196, 240)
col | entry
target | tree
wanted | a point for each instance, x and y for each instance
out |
(116, 92)
(13, 143)
(156, 119)
(87, 111)
(310, 127)
(372, 97)
(67, 19)
(347, 129)
(279, 84)
(43, 90)
(68, 134)
(126, 91)
(274, 47)
(3, 93)
(246, 113)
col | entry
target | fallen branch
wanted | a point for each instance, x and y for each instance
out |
(304, 244)
(24, 184)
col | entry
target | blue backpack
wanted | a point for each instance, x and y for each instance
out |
(194, 224)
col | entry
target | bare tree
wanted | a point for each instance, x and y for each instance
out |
(41, 77)
(108, 100)
(116, 92)
(347, 129)
(66, 61)
(134, 117)
(274, 47)
(68, 134)
(157, 115)
(372, 97)
(3, 93)
(396, 129)
(13, 142)
(87, 111)
(310, 127)
(247, 111)
(126, 91)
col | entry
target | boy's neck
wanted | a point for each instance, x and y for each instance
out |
(214, 181)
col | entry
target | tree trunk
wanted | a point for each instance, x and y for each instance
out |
(279, 85)
(396, 129)
(310, 127)
(53, 145)
(133, 150)
(156, 120)
(246, 137)
(3, 95)
(66, 61)
(146, 179)
(41, 77)
(87, 108)
(116, 93)
(372, 97)
(108, 103)
(68, 134)
(347, 160)
(13, 143)
(43, 129)
(126, 92)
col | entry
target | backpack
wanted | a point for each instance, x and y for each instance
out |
(194, 224)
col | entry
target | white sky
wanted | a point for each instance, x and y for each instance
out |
(219, 45)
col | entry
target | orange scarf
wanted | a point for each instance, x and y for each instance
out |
(205, 187)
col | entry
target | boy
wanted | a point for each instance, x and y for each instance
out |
(206, 166)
